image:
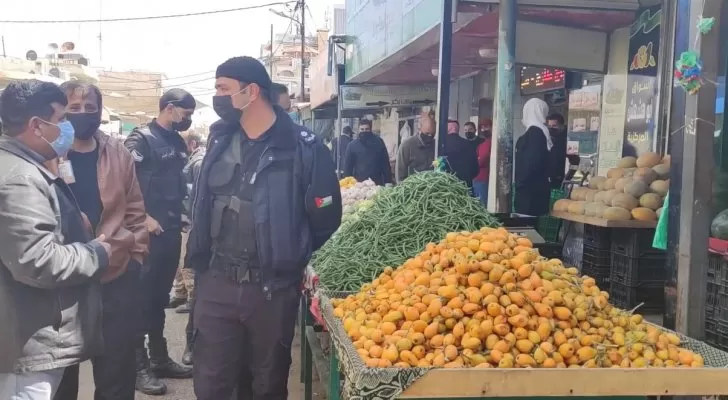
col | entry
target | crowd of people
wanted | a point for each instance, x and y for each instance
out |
(93, 236)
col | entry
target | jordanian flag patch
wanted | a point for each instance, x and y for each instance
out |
(322, 202)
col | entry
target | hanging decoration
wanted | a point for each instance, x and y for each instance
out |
(687, 72)
(705, 25)
(440, 164)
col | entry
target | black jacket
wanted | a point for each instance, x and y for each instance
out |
(533, 190)
(341, 142)
(367, 158)
(558, 158)
(297, 202)
(462, 157)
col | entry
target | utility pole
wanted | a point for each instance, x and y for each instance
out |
(302, 7)
(3, 39)
(270, 60)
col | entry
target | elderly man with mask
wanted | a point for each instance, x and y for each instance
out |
(50, 266)
(417, 153)
(266, 198)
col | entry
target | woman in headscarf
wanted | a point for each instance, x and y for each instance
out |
(532, 161)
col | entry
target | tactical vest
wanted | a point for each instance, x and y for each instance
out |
(232, 226)
(163, 185)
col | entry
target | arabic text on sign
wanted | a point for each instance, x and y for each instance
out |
(635, 137)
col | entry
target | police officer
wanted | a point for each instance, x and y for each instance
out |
(160, 154)
(266, 198)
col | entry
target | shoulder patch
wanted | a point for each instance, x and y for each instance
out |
(137, 156)
(307, 136)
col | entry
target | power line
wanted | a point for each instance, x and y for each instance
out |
(122, 80)
(103, 86)
(146, 18)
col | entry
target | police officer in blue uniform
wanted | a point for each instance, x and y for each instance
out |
(266, 198)
(160, 155)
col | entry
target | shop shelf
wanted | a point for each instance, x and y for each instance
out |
(628, 297)
(597, 237)
(634, 242)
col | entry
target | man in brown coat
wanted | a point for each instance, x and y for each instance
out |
(100, 172)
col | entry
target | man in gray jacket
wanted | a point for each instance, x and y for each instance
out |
(417, 153)
(50, 298)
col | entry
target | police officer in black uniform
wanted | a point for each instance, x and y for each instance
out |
(160, 154)
(266, 198)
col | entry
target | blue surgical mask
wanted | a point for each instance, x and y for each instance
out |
(64, 141)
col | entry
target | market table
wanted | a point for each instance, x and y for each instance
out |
(360, 382)
(604, 223)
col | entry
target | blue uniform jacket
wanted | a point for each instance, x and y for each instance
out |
(297, 201)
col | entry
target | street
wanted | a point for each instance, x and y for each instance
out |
(182, 389)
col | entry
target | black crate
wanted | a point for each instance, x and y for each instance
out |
(597, 237)
(638, 271)
(634, 242)
(597, 264)
(718, 271)
(600, 273)
(628, 297)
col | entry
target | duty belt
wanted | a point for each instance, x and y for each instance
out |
(239, 270)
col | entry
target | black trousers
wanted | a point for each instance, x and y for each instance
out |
(115, 370)
(242, 339)
(164, 253)
(190, 328)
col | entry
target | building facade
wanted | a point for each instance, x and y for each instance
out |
(133, 95)
(282, 58)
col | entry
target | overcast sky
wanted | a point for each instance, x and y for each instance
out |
(177, 47)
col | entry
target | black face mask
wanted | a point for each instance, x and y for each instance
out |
(223, 106)
(470, 135)
(85, 124)
(427, 139)
(183, 125)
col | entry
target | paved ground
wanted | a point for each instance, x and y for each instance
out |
(182, 389)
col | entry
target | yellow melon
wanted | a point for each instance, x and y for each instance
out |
(660, 187)
(617, 214)
(576, 207)
(636, 188)
(562, 205)
(648, 160)
(615, 173)
(623, 200)
(595, 181)
(653, 201)
(644, 214)
(648, 175)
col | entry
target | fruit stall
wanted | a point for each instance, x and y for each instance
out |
(424, 295)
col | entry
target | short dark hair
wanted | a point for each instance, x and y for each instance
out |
(556, 117)
(69, 87)
(365, 122)
(470, 123)
(453, 121)
(179, 98)
(278, 89)
(23, 100)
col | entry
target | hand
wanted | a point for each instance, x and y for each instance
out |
(153, 226)
(102, 241)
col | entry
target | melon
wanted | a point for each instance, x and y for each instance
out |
(607, 197)
(616, 214)
(595, 181)
(644, 214)
(621, 183)
(562, 205)
(666, 160)
(648, 160)
(609, 183)
(662, 170)
(653, 201)
(659, 212)
(629, 172)
(590, 195)
(636, 188)
(575, 194)
(591, 209)
(576, 207)
(600, 211)
(627, 162)
(646, 174)
(660, 187)
(623, 200)
(615, 173)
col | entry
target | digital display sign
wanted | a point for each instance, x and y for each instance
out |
(538, 80)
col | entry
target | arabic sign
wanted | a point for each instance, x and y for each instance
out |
(364, 97)
(642, 85)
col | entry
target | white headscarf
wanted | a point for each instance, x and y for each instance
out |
(534, 114)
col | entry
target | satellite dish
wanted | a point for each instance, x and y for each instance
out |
(68, 46)
(54, 72)
(52, 46)
(31, 55)
(83, 61)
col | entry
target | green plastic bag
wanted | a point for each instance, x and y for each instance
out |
(660, 239)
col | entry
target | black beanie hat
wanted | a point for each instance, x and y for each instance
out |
(245, 69)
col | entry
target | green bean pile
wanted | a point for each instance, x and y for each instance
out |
(402, 220)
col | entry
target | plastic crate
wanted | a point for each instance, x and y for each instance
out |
(718, 270)
(638, 271)
(634, 242)
(597, 237)
(548, 227)
(628, 297)
(597, 264)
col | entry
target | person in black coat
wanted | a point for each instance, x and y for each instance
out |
(557, 129)
(461, 153)
(367, 157)
(339, 146)
(533, 189)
